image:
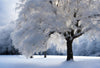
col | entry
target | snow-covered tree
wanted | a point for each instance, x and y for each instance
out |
(87, 45)
(38, 19)
(5, 39)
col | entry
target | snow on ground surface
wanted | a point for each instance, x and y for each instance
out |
(49, 62)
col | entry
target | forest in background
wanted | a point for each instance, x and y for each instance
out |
(86, 45)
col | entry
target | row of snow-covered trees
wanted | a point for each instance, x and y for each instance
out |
(81, 46)
(84, 46)
(6, 47)
(39, 19)
(87, 46)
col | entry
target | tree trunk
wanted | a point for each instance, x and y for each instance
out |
(69, 50)
(45, 54)
(31, 57)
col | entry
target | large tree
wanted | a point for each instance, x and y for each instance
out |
(38, 19)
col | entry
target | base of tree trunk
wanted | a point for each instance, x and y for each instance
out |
(45, 54)
(69, 59)
(31, 57)
(69, 50)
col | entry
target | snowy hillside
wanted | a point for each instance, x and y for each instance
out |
(49, 62)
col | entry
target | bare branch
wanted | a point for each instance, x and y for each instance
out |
(79, 34)
(51, 32)
(93, 16)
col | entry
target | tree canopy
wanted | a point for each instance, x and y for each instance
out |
(38, 19)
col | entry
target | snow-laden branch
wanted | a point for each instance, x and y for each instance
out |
(38, 19)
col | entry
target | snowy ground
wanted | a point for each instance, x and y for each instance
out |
(49, 62)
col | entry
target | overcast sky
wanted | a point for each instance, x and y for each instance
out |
(7, 11)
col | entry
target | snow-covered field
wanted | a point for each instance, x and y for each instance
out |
(49, 62)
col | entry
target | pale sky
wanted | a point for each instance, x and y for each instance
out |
(7, 11)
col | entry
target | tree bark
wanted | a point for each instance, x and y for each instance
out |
(69, 50)
(45, 54)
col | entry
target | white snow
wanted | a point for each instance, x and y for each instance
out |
(49, 62)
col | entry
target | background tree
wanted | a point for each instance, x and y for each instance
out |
(38, 19)
(6, 47)
(87, 44)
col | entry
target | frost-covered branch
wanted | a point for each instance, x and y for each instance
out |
(38, 19)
